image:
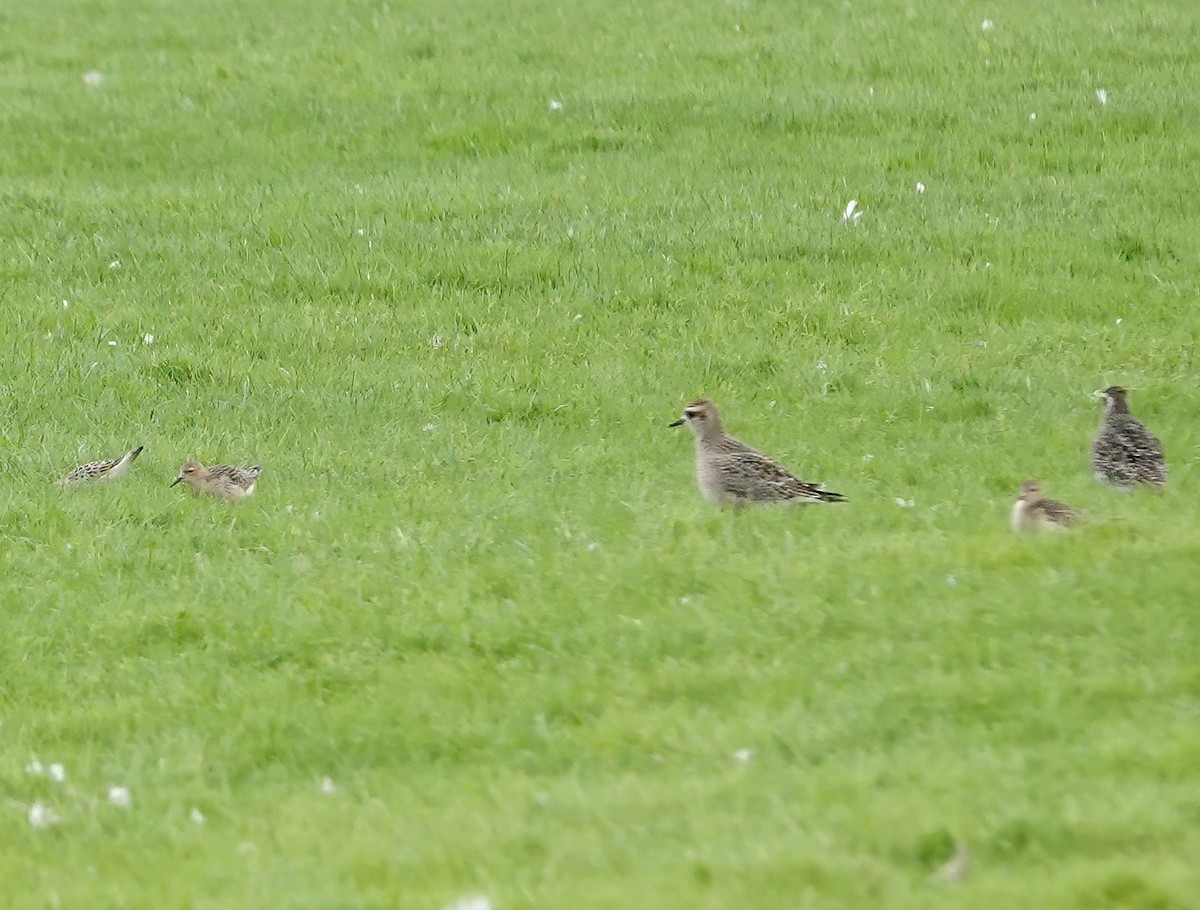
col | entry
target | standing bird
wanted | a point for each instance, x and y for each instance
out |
(1033, 512)
(729, 471)
(1125, 452)
(221, 480)
(101, 470)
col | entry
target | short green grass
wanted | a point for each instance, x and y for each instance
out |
(448, 271)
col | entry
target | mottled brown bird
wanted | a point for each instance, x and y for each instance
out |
(221, 480)
(1125, 452)
(1033, 512)
(111, 469)
(729, 472)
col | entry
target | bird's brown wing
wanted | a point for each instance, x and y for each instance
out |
(1057, 512)
(91, 470)
(765, 480)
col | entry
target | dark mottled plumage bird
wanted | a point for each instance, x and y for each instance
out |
(1033, 512)
(730, 472)
(101, 470)
(1125, 452)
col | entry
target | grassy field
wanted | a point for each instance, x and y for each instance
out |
(447, 271)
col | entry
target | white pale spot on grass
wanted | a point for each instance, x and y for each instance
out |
(41, 816)
(112, 344)
(429, 428)
(147, 338)
(578, 317)
(1032, 116)
(472, 902)
(1120, 319)
(987, 25)
(93, 78)
(436, 341)
(851, 213)
(905, 503)
(555, 104)
(593, 547)
(685, 600)
(66, 305)
(920, 187)
(327, 785)
(951, 580)
(197, 816)
(868, 457)
(822, 366)
(360, 232)
(1102, 95)
(120, 797)
(115, 264)
(743, 755)
(57, 772)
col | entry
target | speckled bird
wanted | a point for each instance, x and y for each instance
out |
(221, 480)
(1033, 512)
(112, 469)
(729, 472)
(1125, 452)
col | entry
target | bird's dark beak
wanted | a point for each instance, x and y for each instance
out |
(676, 423)
(177, 480)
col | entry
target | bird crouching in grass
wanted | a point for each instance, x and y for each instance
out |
(112, 469)
(222, 481)
(729, 472)
(1033, 512)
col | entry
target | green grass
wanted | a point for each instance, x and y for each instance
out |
(476, 587)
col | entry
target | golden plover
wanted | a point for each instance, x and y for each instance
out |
(221, 480)
(1033, 512)
(1125, 452)
(729, 471)
(101, 470)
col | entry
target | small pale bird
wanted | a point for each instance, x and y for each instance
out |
(101, 470)
(730, 472)
(1125, 452)
(1033, 512)
(221, 480)
(955, 870)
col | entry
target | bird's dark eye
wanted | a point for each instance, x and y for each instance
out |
(694, 415)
